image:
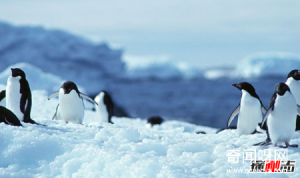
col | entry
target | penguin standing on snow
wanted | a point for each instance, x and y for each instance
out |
(105, 106)
(250, 109)
(18, 96)
(8, 117)
(70, 103)
(281, 116)
(293, 81)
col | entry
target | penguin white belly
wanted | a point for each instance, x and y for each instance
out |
(295, 89)
(71, 108)
(250, 114)
(13, 96)
(102, 112)
(282, 120)
(101, 108)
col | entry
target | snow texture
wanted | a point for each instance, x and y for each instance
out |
(128, 148)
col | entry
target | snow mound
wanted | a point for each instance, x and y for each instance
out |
(160, 67)
(60, 53)
(125, 149)
(267, 64)
(37, 79)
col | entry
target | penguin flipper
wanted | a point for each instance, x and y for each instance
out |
(53, 95)
(8, 117)
(2, 94)
(87, 98)
(233, 114)
(263, 109)
(298, 110)
(55, 114)
(266, 116)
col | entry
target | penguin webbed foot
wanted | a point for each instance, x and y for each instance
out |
(263, 143)
(288, 145)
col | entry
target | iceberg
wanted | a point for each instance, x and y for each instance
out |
(159, 67)
(58, 52)
(267, 64)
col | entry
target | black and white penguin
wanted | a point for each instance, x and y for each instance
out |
(8, 117)
(18, 96)
(281, 116)
(250, 110)
(293, 81)
(70, 103)
(105, 106)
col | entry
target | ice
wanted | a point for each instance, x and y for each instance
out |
(63, 54)
(159, 67)
(267, 64)
(125, 149)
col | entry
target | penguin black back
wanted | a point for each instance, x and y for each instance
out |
(109, 105)
(26, 100)
(8, 117)
(2, 95)
(247, 87)
(295, 74)
(155, 120)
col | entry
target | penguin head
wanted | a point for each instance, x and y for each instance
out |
(281, 88)
(247, 87)
(15, 72)
(295, 74)
(68, 86)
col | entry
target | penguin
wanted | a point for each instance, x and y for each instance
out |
(281, 116)
(293, 81)
(2, 98)
(250, 110)
(18, 95)
(8, 117)
(155, 120)
(105, 106)
(70, 106)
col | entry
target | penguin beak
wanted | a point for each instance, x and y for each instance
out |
(237, 86)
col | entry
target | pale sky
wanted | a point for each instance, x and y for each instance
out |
(201, 32)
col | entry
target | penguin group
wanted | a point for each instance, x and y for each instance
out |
(279, 121)
(70, 106)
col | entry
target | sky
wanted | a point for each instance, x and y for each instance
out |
(203, 33)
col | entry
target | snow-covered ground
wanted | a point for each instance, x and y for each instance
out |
(128, 148)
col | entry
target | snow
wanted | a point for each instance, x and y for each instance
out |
(267, 64)
(128, 148)
(38, 79)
